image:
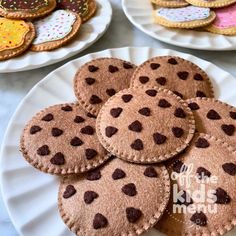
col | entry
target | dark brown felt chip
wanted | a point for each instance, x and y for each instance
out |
(118, 174)
(183, 75)
(48, 117)
(90, 196)
(228, 129)
(172, 61)
(232, 115)
(79, 119)
(180, 113)
(69, 191)
(145, 111)
(89, 130)
(161, 80)
(193, 106)
(202, 143)
(111, 92)
(154, 66)
(93, 175)
(159, 138)
(203, 173)
(76, 141)
(58, 159)
(90, 153)
(127, 65)
(113, 69)
(110, 131)
(99, 221)
(222, 196)
(92, 68)
(150, 172)
(178, 132)
(164, 103)
(200, 94)
(136, 126)
(56, 132)
(127, 97)
(35, 129)
(179, 167)
(133, 214)
(229, 168)
(213, 115)
(198, 77)
(115, 112)
(143, 79)
(129, 189)
(199, 219)
(67, 108)
(178, 94)
(137, 145)
(43, 151)
(94, 99)
(90, 80)
(151, 92)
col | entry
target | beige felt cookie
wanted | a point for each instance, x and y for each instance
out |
(184, 78)
(203, 197)
(62, 139)
(145, 125)
(211, 3)
(170, 3)
(116, 199)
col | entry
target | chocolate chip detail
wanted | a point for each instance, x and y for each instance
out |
(48, 117)
(118, 174)
(35, 129)
(172, 61)
(90, 153)
(143, 79)
(99, 221)
(178, 94)
(79, 119)
(145, 111)
(58, 159)
(89, 196)
(133, 214)
(164, 103)
(90, 80)
(198, 77)
(91, 116)
(159, 138)
(180, 113)
(127, 65)
(76, 142)
(94, 99)
(113, 69)
(110, 131)
(111, 92)
(193, 106)
(89, 130)
(56, 132)
(202, 143)
(229, 168)
(183, 75)
(43, 151)
(187, 199)
(199, 219)
(232, 114)
(222, 196)
(115, 112)
(200, 94)
(129, 189)
(228, 129)
(137, 145)
(203, 173)
(69, 192)
(178, 132)
(213, 115)
(93, 175)
(179, 167)
(161, 80)
(136, 126)
(150, 172)
(151, 92)
(67, 108)
(127, 97)
(92, 68)
(154, 66)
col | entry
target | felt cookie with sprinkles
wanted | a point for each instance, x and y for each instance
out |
(205, 203)
(24, 9)
(62, 139)
(15, 37)
(184, 78)
(117, 199)
(84, 8)
(145, 125)
(55, 30)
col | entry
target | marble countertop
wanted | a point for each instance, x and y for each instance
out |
(14, 86)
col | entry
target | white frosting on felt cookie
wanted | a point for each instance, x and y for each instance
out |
(54, 27)
(183, 14)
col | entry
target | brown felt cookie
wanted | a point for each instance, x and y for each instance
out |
(207, 204)
(25, 9)
(62, 139)
(184, 78)
(98, 80)
(215, 118)
(84, 8)
(116, 199)
(145, 125)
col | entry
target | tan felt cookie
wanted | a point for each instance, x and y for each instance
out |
(25, 9)
(98, 80)
(205, 203)
(184, 78)
(62, 139)
(84, 8)
(215, 118)
(170, 3)
(145, 125)
(116, 199)
(211, 3)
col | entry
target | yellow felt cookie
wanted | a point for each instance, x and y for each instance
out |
(211, 3)
(170, 3)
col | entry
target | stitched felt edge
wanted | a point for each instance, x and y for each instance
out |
(214, 4)
(168, 3)
(225, 31)
(137, 231)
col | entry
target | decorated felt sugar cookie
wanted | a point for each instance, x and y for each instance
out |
(225, 22)
(15, 37)
(184, 17)
(211, 3)
(55, 30)
(170, 3)
(23, 9)
(84, 8)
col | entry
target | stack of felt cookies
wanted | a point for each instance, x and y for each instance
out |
(216, 16)
(125, 146)
(40, 25)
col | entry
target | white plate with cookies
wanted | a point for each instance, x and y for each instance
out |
(31, 196)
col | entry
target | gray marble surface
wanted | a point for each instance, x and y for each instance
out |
(14, 86)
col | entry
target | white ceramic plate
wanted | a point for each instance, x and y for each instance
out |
(139, 12)
(31, 196)
(90, 32)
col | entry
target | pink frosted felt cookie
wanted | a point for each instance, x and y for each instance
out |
(211, 3)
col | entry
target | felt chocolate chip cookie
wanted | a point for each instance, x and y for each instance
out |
(99, 79)
(203, 197)
(116, 199)
(215, 118)
(184, 78)
(25, 9)
(145, 125)
(62, 139)
(84, 8)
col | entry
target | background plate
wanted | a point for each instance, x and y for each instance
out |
(90, 32)
(31, 196)
(139, 12)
